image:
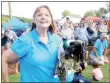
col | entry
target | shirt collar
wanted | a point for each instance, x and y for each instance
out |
(36, 37)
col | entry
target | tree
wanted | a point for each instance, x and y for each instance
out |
(5, 19)
(102, 11)
(98, 13)
(66, 13)
(26, 20)
(89, 13)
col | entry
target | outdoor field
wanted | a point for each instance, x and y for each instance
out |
(86, 73)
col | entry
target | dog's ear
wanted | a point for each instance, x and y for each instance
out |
(64, 39)
(72, 43)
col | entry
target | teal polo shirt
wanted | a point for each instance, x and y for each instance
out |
(37, 60)
(100, 46)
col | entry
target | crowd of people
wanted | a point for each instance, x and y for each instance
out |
(95, 34)
(37, 48)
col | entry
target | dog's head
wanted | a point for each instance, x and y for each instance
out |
(74, 49)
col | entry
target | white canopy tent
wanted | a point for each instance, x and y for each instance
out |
(73, 19)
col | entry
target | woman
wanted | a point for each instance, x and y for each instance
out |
(66, 31)
(82, 32)
(36, 51)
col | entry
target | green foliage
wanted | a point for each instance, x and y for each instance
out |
(66, 13)
(5, 18)
(89, 13)
(26, 20)
(102, 11)
(98, 13)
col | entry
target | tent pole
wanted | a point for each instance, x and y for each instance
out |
(10, 12)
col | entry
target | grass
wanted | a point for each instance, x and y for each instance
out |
(14, 78)
(105, 69)
(86, 73)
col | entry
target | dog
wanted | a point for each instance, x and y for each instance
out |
(70, 54)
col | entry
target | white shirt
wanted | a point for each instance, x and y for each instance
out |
(103, 28)
(11, 34)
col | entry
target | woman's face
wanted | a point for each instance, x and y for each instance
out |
(43, 18)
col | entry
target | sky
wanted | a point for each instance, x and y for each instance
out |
(26, 9)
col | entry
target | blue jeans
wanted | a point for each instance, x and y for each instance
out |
(78, 78)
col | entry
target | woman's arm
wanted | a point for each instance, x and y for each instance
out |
(7, 56)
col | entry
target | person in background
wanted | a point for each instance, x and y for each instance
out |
(83, 36)
(4, 39)
(37, 51)
(108, 25)
(58, 29)
(82, 33)
(66, 31)
(102, 28)
(100, 48)
(71, 26)
(78, 77)
(94, 29)
(93, 33)
(10, 34)
(96, 72)
(67, 21)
